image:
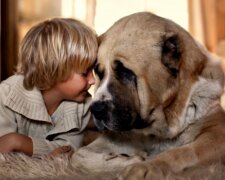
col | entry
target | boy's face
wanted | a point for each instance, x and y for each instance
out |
(76, 87)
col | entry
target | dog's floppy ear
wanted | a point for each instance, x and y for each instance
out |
(171, 53)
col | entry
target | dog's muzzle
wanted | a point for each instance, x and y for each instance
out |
(99, 110)
(108, 115)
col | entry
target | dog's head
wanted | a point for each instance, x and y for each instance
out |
(146, 70)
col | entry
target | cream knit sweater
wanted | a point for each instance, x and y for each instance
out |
(24, 112)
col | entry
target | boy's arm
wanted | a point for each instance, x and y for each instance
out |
(14, 142)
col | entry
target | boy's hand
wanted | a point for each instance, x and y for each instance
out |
(62, 150)
(14, 142)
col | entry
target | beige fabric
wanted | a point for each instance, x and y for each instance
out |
(24, 112)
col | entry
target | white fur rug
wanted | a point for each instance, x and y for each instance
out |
(19, 166)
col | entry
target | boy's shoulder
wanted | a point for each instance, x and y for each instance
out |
(8, 85)
(13, 80)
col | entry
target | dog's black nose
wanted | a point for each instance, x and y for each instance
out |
(99, 110)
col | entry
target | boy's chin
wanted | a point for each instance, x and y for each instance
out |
(82, 97)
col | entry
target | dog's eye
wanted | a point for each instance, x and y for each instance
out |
(99, 71)
(124, 74)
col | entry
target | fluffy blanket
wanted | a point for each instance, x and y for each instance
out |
(20, 166)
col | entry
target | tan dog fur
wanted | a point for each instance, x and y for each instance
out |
(186, 122)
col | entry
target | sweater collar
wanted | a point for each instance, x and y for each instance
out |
(29, 103)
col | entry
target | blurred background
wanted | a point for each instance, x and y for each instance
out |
(204, 19)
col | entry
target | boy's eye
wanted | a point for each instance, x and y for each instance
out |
(85, 74)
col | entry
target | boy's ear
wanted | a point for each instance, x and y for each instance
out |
(100, 38)
(171, 53)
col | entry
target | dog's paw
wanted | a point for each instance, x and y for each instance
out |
(144, 170)
(119, 161)
(87, 158)
(123, 157)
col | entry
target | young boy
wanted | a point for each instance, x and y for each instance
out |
(45, 105)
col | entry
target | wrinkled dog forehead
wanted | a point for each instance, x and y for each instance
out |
(133, 40)
(140, 38)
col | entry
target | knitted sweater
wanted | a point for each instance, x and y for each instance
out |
(24, 112)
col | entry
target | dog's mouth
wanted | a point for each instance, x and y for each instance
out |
(139, 123)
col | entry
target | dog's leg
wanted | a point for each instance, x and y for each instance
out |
(107, 155)
(208, 147)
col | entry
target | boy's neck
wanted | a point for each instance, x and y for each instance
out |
(51, 99)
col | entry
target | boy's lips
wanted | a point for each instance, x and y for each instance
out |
(85, 92)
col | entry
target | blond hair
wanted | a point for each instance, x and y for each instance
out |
(52, 50)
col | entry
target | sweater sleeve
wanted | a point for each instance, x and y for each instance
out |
(7, 117)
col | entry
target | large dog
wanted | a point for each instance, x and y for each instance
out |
(159, 92)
